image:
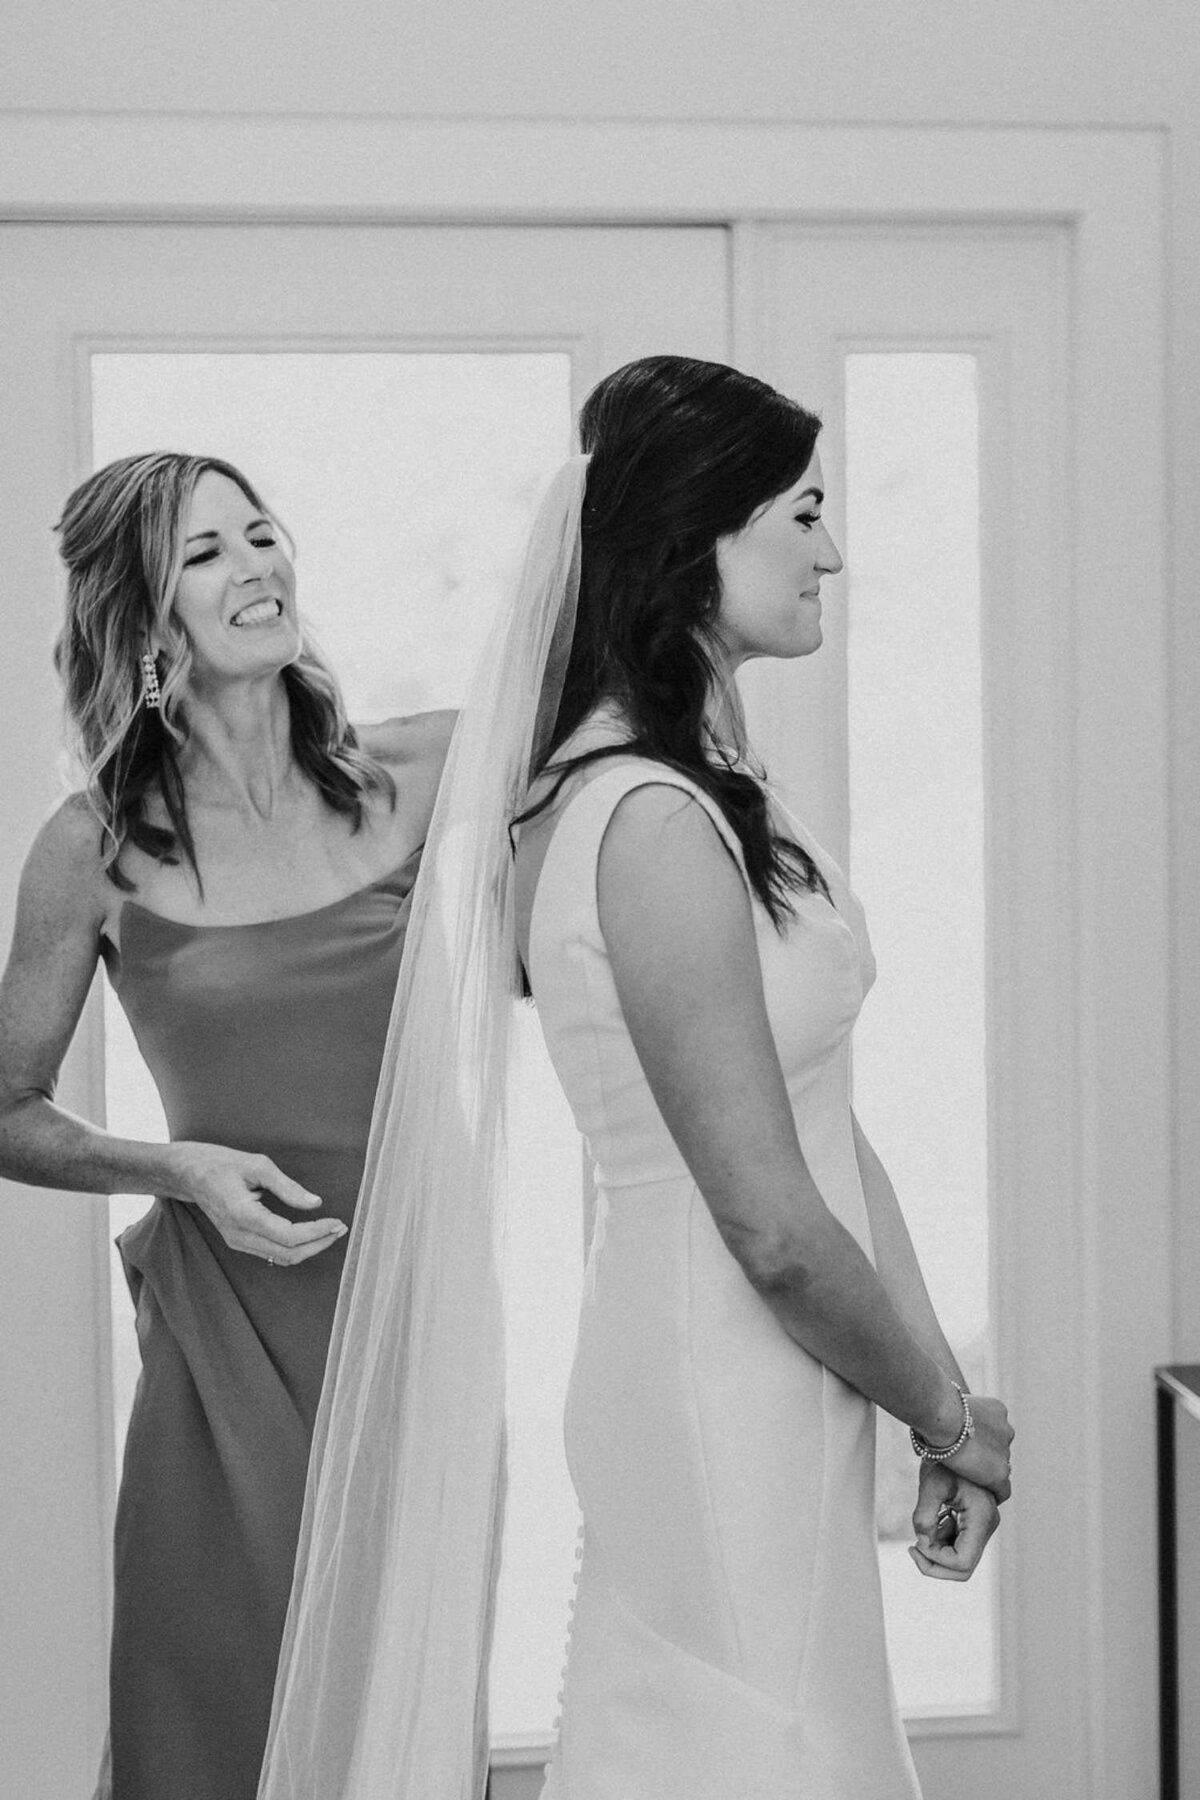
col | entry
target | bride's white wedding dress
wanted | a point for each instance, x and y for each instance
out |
(728, 1639)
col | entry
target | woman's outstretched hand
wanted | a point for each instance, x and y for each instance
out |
(226, 1184)
(953, 1520)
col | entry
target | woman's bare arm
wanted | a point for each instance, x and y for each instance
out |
(897, 1267)
(678, 927)
(895, 1259)
(61, 909)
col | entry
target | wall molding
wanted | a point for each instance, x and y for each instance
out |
(230, 166)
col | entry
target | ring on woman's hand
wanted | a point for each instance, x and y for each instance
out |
(948, 1523)
(271, 1260)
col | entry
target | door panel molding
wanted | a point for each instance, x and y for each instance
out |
(112, 166)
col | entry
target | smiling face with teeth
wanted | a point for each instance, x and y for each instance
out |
(236, 595)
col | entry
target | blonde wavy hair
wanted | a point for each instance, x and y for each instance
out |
(121, 536)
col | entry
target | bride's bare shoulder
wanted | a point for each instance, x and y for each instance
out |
(599, 744)
(549, 796)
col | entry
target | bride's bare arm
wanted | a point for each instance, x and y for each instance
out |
(895, 1259)
(897, 1267)
(680, 936)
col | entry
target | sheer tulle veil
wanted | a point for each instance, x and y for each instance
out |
(381, 1689)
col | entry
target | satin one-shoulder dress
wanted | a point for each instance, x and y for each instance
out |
(264, 1037)
(728, 1634)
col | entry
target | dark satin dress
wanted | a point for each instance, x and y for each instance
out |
(265, 1038)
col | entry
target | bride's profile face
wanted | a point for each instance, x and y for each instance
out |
(771, 572)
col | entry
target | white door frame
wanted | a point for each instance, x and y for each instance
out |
(1108, 188)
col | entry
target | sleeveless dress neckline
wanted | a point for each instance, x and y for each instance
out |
(594, 728)
(310, 913)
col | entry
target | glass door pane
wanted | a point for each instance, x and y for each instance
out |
(408, 481)
(915, 733)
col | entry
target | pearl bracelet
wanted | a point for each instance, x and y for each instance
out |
(931, 1452)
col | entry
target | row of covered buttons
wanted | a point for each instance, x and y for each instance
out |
(571, 1612)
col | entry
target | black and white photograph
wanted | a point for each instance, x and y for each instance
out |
(599, 890)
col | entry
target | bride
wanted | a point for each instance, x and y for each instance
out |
(751, 1294)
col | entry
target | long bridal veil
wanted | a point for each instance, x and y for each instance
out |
(381, 1689)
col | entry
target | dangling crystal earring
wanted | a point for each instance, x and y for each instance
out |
(151, 693)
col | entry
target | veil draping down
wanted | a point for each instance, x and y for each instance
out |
(381, 1692)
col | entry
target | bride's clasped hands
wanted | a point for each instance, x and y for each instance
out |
(958, 1511)
(953, 1520)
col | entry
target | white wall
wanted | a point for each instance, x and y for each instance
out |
(846, 60)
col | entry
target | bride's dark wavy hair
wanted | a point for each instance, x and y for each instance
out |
(121, 536)
(682, 453)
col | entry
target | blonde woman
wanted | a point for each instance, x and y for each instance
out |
(241, 860)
